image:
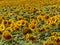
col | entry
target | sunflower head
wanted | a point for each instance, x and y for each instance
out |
(19, 23)
(32, 26)
(2, 27)
(50, 43)
(32, 18)
(16, 28)
(9, 29)
(39, 18)
(19, 17)
(46, 16)
(10, 22)
(46, 27)
(30, 37)
(34, 22)
(6, 36)
(58, 40)
(5, 22)
(38, 30)
(54, 19)
(53, 38)
(26, 30)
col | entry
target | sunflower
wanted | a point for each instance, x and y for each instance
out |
(16, 28)
(3, 17)
(39, 18)
(54, 7)
(18, 23)
(50, 43)
(32, 18)
(2, 27)
(54, 33)
(12, 25)
(6, 36)
(26, 30)
(54, 24)
(34, 22)
(10, 14)
(46, 16)
(10, 22)
(30, 37)
(25, 18)
(54, 19)
(53, 38)
(46, 27)
(38, 30)
(58, 40)
(19, 17)
(48, 21)
(9, 29)
(5, 22)
(25, 23)
(32, 26)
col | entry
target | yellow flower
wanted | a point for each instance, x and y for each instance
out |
(54, 7)
(10, 14)
(32, 18)
(5, 22)
(2, 27)
(39, 18)
(38, 30)
(16, 28)
(48, 21)
(19, 17)
(58, 40)
(46, 27)
(12, 25)
(26, 30)
(18, 23)
(34, 22)
(54, 34)
(54, 24)
(6, 36)
(58, 16)
(32, 26)
(9, 29)
(3, 17)
(10, 22)
(30, 37)
(50, 43)
(25, 23)
(46, 16)
(53, 38)
(54, 19)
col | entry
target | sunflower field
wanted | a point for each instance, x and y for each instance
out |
(29, 22)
